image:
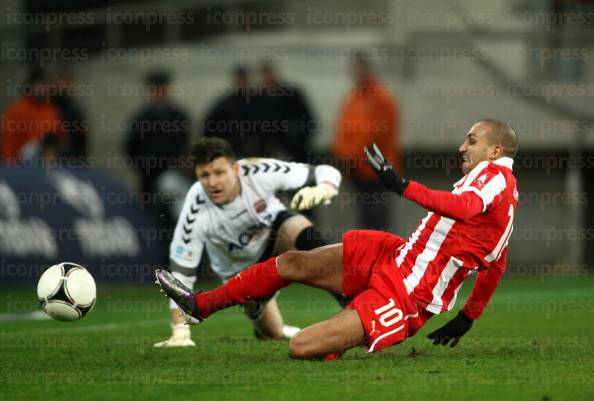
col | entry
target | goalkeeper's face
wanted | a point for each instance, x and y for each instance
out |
(220, 179)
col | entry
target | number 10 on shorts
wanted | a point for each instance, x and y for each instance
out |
(389, 314)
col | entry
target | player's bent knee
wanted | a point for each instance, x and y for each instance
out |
(290, 266)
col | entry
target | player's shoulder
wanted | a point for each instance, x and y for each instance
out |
(503, 168)
(256, 167)
(196, 210)
(196, 189)
(495, 175)
(197, 196)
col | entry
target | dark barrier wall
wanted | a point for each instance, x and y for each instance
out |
(49, 216)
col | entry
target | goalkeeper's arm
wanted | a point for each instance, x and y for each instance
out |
(327, 180)
(180, 331)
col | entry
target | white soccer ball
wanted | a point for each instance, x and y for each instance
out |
(66, 291)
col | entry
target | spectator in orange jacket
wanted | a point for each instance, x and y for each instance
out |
(369, 114)
(29, 119)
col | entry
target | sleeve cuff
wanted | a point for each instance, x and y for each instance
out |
(410, 189)
(324, 173)
(471, 315)
(465, 314)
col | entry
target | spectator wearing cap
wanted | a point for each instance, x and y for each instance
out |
(29, 119)
(157, 134)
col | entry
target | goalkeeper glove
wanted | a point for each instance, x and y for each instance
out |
(181, 337)
(384, 170)
(309, 197)
(452, 330)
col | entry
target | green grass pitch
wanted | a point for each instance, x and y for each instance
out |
(535, 342)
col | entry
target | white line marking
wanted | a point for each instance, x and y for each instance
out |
(15, 317)
(95, 327)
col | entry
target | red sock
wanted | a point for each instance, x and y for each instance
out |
(259, 281)
(332, 357)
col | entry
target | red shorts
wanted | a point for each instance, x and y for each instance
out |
(372, 279)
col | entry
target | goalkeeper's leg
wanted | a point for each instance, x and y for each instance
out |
(267, 320)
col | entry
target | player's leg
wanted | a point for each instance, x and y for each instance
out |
(290, 230)
(341, 332)
(321, 268)
(268, 323)
(298, 233)
(265, 315)
(266, 319)
(295, 232)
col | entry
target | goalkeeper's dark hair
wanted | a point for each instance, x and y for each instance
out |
(205, 150)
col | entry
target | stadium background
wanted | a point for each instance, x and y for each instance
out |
(528, 62)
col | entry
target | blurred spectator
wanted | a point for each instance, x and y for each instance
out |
(284, 107)
(157, 134)
(74, 122)
(45, 152)
(369, 114)
(30, 118)
(232, 116)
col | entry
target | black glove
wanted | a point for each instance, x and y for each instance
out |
(384, 170)
(452, 330)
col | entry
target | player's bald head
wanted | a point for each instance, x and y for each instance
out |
(502, 134)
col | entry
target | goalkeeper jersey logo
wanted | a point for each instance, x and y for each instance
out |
(260, 206)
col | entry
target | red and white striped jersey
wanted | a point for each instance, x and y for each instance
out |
(444, 251)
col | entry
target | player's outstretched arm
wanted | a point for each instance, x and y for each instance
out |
(391, 178)
(459, 207)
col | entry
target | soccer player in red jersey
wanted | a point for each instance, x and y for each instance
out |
(396, 284)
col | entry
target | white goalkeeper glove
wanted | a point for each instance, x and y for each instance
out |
(309, 197)
(181, 337)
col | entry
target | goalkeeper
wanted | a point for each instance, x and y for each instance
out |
(233, 214)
